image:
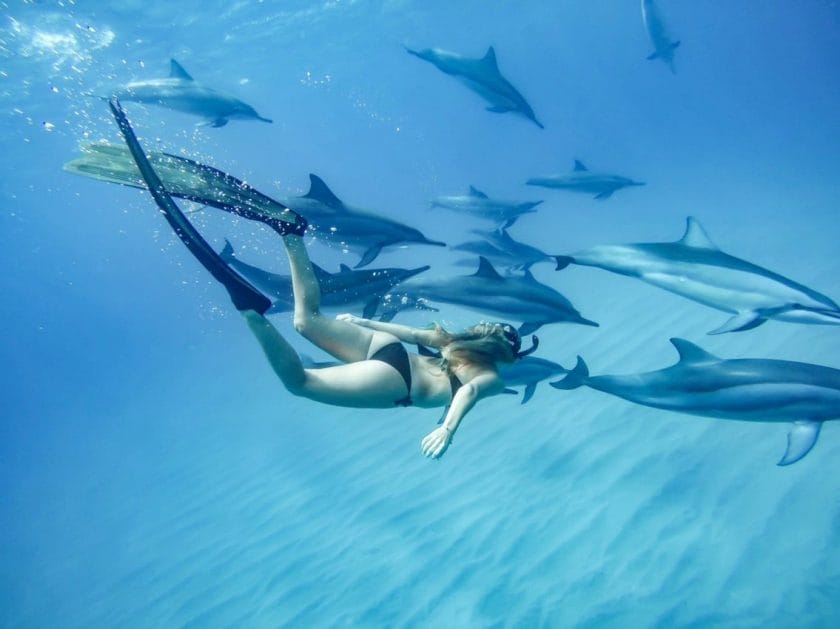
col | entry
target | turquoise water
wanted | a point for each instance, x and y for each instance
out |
(155, 473)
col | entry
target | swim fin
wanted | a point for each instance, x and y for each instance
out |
(242, 293)
(186, 179)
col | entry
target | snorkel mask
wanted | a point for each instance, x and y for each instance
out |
(512, 336)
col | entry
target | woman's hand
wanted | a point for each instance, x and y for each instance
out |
(349, 318)
(436, 442)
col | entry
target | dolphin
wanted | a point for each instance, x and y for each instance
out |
(332, 221)
(747, 389)
(347, 289)
(180, 92)
(516, 298)
(482, 76)
(529, 371)
(499, 247)
(696, 269)
(663, 45)
(581, 179)
(476, 203)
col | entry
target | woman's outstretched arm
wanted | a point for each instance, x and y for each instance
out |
(436, 442)
(417, 336)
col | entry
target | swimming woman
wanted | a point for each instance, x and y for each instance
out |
(378, 371)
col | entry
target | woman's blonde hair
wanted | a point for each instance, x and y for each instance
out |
(483, 343)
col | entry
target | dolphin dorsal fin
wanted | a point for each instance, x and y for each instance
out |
(691, 353)
(695, 236)
(475, 192)
(319, 191)
(320, 274)
(344, 268)
(486, 270)
(176, 71)
(490, 58)
(529, 277)
(579, 167)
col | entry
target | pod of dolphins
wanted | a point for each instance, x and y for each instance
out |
(763, 390)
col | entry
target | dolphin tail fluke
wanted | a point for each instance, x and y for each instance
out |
(800, 440)
(577, 377)
(242, 293)
(563, 262)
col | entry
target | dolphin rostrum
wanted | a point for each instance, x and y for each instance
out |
(347, 289)
(695, 268)
(499, 247)
(529, 372)
(332, 221)
(747, 389)
(516, 298)
(476, 203)
(663, 45)
(180, 92)
(581, 179)
(482, 76)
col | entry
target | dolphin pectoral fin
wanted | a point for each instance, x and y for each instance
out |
(499, 109)
(509, 391)
(529, 392)
(652, 56)
(529, 326)
(218, 122)
(370, 308)
(563, 262)
(577, 377)
(800, 440)
(742, 321)
(369, 256)
(604, 195)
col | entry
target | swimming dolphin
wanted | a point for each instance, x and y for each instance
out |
(695, 268)
(332, 221)
(499, 247)
(582, 180)
(515, 298)
(346, 289)
(747, 389)
(482, 76)
(180, 92)
(529, 371)
(479, 204)
(663, 45)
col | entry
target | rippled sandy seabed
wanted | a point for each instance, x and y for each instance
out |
(153, 473)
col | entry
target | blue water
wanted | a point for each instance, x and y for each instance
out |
(155, 473)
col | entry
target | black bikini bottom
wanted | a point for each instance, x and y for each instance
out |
(395, 354)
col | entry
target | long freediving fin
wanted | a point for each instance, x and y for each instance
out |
(242, 293)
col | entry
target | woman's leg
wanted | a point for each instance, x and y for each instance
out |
(346, 341)
(365, 384)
